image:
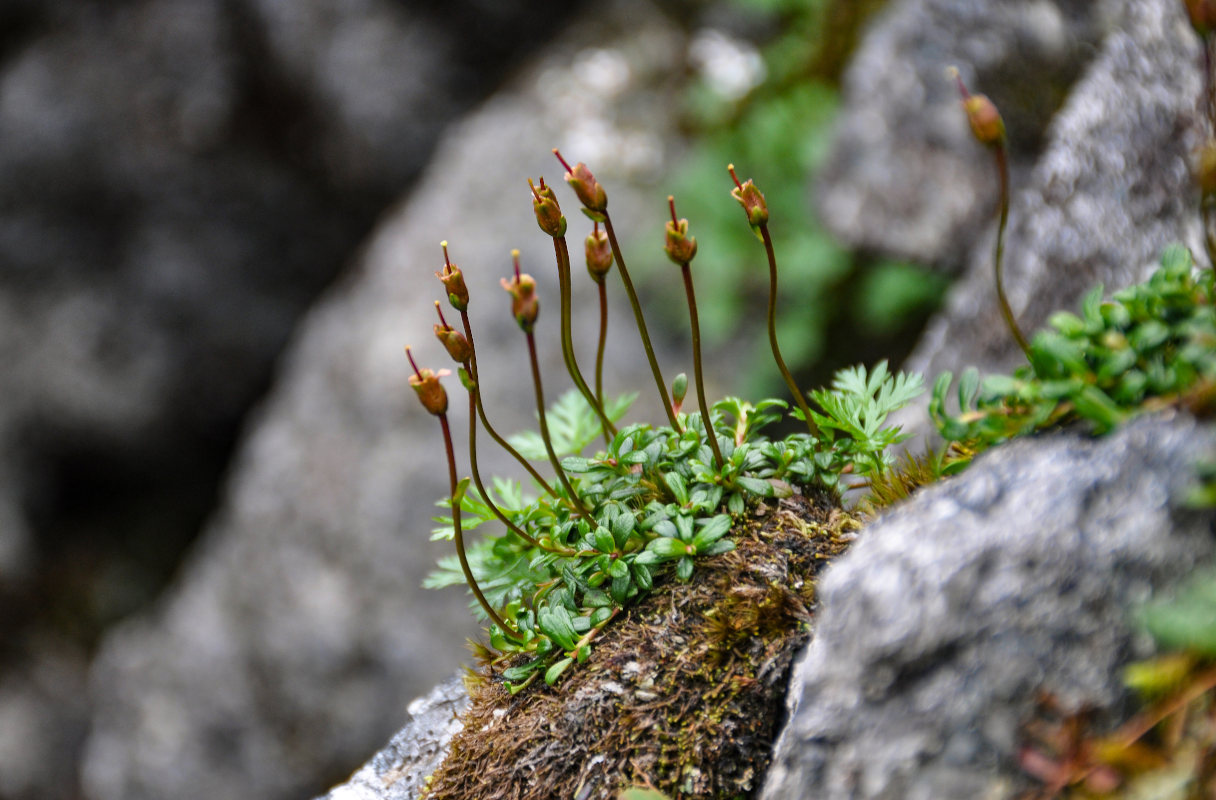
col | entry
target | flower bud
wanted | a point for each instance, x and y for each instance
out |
(680, 247)
(584, 184)
(548, 212)
(426, 383)
(524, 305)
(750, 198)
(986, 122)
(452, 340)
(453, 282)
(599, 254)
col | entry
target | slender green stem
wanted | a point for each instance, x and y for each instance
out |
(459, 534)
(772, 332)
(706, 420)
(599, 350)
(1002, 167)
(485, 495)
(637, 315)
(579, 508)
(481, 412)
(562, 253)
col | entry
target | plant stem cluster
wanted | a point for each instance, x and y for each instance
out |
(654, 499)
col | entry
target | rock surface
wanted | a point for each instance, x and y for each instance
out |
(1100, 188)
(179, 179)
(399, 771)
(298, 631)
(904, 176)
(939, 627)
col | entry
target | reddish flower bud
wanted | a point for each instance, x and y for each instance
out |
(986, 123)
(548, 212)
(750, 198)
(680, 247)
(452, 340)
(524, 305)
(426, 383)
(584, 184)
(599, 254)
(453, 282)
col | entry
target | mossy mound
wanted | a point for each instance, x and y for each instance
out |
(683, 693)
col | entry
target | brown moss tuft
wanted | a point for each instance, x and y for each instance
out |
(683, 693)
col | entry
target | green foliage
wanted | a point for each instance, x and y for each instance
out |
(1150, 345)
(1186, 621)
(658, 503)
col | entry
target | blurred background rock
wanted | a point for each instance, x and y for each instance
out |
(219, 221)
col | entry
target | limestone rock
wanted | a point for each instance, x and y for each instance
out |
(903, 176)
(938, 628)
(1111, 190)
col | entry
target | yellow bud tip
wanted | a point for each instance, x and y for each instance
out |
(514, 254)
(951, 73)
(444, 244)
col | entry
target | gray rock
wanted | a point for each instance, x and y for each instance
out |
(938, 628)
(903, 175)
(1100, 186)
(399, 771)
(1112, 189)
(179, 179)
(298, 631)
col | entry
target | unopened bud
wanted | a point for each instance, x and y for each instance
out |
(548, 212)
(599, 254)
(524, 305)
(453, 341)
(585, 186)
(426, 383)
(679, 389)
(680, 247)
(986, 123)
(750, 198)
(453, 282)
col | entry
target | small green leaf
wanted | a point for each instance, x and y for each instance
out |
(684, 569)
(554, 672)
(757, 486)
(679, 489)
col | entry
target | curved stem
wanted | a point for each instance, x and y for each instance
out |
(485, 496)
(459, 534)
(563, 282)
(579, 508)
(706, 420)
(637, 315)
(481, 412)
(772, 331)
(599, 350)
(1002, 167)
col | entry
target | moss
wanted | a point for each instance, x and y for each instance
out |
(683, 693)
